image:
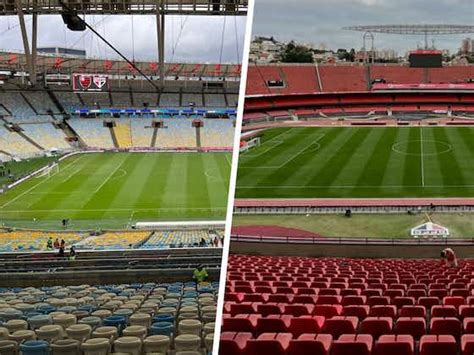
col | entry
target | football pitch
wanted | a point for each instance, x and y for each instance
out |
(114, 190)
(359, 162)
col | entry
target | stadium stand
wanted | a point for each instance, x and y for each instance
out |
(17, 105)
(177, 133)
(33, 240)
(141, 132)
(114, 240)
(41, 101)
(46, 135)
(217, 133)
(397, 74)
(123, 133)
(93, 132)
(95, 100)
(342, 78)
(170, 239)
(68, 99)
(126, 318)
(16, 145)
(294, 305)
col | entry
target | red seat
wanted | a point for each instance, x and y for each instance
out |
(376, 326)
(467, 344)
(241, 308)
(440, 293)
(378, 300)
(273, 324)
(280, 298)
(443, 311)
(306, 324)
(414, 326)
(233, 343)
(403, 301)
(241, 323)
(446, 326)
(428, 302)
(266, 309)
(269, 343)
(327, 310)
(353, 300)
(328, 300)
(468, 325)
(394, 345)
(466, 311)
(356, 311)
(438, 345)
(413, 311)
(350, 344)
(392, 293)
(383, 311)
(416, 293)
(255, 297)
(454, 301)
(297, 310)
(339, 325)
(315, 344)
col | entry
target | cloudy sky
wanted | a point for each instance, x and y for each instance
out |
(320, 21)
(195, 39)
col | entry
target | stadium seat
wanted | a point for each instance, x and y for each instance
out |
(446, 326)
(376, 326)
(467, 344)
(316, 344)
(437, 345)
(339, 325)
(234, 343)
(306, 324)
(349, 344)
(269, 343)
(414, 326)
(394, 345)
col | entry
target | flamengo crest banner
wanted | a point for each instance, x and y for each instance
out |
(90, 82)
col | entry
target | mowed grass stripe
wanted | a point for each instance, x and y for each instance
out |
(119, 187)
(368, 162)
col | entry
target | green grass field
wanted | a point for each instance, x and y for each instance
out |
(359, 162)
(379, 226)
(113, 190)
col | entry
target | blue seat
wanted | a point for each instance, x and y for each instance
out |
(162, 328)
(116, 321)
(35, 347)
(165, 317)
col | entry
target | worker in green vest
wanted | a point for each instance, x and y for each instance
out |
(200, 274)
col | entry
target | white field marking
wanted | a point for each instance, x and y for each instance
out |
(422, 158)
(36, 185)
(109, 176)
(253, 155)
(123, 209)
(348, 186)
(316, 142)
(247, 154)
(211, 177)
(228, 160)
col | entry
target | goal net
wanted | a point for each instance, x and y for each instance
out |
(246, 146)
(51, 169)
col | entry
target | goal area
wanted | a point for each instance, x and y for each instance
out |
(49, 170)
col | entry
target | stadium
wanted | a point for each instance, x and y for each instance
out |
(114, 175)
(352, 178)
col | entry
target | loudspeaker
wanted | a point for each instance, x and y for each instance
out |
(72, 21)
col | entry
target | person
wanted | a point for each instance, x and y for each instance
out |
(200, 274)
(202, 243)
(72, 253)
(49, 244)
(56, 243)
(448, 258)
(63, 243)
(61, 252)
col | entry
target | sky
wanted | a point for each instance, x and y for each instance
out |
(189, 39)
(320, 21)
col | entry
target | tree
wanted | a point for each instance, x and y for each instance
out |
(294, 53)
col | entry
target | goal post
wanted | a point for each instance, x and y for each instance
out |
(247, 145)
(49, 170)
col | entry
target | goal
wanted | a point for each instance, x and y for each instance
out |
(245, 146)
(51, 169)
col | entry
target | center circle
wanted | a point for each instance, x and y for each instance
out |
(428, 147)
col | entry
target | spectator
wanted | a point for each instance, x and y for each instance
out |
(49, 244)
(202, 243)
(61, 252)
(63, 243)
(448, 258)
(200, 274)
(72, 253)
(56, 243)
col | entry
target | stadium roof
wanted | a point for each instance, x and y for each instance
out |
(50, 64)
(129, 7)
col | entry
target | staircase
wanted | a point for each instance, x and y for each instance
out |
(153, 138)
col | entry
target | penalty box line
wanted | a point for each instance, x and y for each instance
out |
(349, 186)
